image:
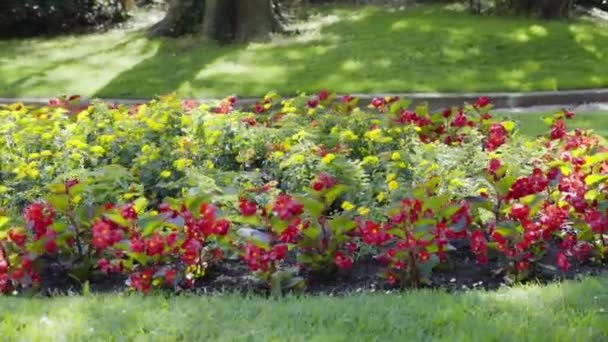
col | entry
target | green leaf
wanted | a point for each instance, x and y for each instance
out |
(57, 188)
(149, 225)
(59, 202)
(253, 221)
(3, 221)
(397, 106)
(140, 204)
(342, 224)
(311, 206)
(59, 227)
(397, 232)
(78, 189)
(593, 179)
(332, 194)
(436, 202)
(504, 185)
(117, 218)
(312, 232)
(278, 225)
(596, 158)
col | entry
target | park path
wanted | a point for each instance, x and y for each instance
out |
(578, 100)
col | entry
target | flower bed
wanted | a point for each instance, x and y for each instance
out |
(312, 192)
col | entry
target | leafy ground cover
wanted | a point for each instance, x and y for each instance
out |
(363, 50)
(314, 193)
(572, 311)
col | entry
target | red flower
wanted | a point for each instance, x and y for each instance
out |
(286, 208)
(323, 95)
(290, 235)
(129, 213)
(17, 274)
(17, 236)
(522, 265)
(424, 256)
(170, 276)
(313, 103)
(3, 266)
(497, 136)
(188, 105)
(482, 102)
(347, 99)
(279, 252)
(558, 130)
(377, 102)
(344, 262)
(494, 165)
(259, 108)
(318, 186)
(50, 246)
(391, 279)
(104, 265)
(155, 245)
(137, 245)
(221, 227)
(520, 212)
(562, 261)
(40, 216)
(479, 246)
(247, 208)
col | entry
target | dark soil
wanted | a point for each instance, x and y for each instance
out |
(461, 273)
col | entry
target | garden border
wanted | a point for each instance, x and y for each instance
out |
(501, 100)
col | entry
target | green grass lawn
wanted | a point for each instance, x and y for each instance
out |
(572, 311)
(358, 50)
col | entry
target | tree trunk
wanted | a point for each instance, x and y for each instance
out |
(222, 20)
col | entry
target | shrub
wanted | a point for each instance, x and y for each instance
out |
(160, 192)
(35, 17)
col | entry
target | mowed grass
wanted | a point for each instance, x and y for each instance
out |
(361, 49)
(571, 311)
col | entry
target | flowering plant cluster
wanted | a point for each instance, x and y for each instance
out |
(294, 189)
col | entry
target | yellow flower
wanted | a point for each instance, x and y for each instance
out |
(47, 136)
(381, 197)
(46, 153)
(181, 164)
(393, 185)
(98, 150)
(363, 211)
(165, 174)
(373, 135)
(277, 154)
(299, 159)
(34, 155)
(107, 138)
(390, 177)
(209, 164)
(328, 158)
(370, 160)
(396, 156)
(348, 135)
(347, 206)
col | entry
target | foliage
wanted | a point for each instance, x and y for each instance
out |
(297, 188)
(35, 17)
